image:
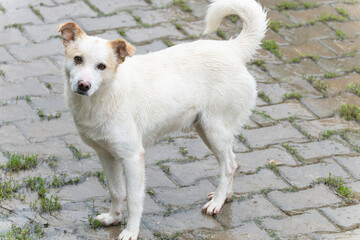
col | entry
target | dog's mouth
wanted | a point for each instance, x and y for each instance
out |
(85, 93)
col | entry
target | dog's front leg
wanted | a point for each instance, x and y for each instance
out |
(135, 191)
(115, 179)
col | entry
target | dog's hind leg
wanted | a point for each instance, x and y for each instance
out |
(219, 139)
(115, 180)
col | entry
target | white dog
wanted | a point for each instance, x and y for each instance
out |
(121, 105)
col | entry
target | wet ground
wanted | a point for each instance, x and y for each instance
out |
(298, 155)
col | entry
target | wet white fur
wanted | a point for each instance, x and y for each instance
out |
(203, 85)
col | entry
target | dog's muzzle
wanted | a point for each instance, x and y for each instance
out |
(83, 87)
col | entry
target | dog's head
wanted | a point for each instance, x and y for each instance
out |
(91, 62)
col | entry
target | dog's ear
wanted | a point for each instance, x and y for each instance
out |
(122, 49)
(70, 31)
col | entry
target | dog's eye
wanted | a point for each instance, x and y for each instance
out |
(101, 66)
(78, 60)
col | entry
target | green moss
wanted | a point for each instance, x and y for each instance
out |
(354, 88)
(292, 95)
(78, 153)
(271, 46)
(340, 34)
(275, 25)
(220, 34)
(19, 162)
(16, 25)
(350, 112)
(259, 63)
(264, 97)
(37, 12)
(182, 5)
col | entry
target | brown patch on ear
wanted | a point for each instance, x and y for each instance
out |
(122, 49)
(70, 31)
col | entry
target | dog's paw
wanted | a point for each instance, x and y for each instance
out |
(128, 235)
(108, 219)
(214, 205)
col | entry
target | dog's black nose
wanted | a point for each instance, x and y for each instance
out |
(84, 86)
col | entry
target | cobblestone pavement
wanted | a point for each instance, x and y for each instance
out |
(307, 73)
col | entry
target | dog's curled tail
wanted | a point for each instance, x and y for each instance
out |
(254, 19)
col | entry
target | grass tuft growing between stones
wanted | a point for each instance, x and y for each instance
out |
(259, 63)
(331, 75)
(293, 152)
(121, 32)
(342, 12)
(330, 18)
(48, 205)
(182, 5)
(138, 19)
(271, 46)
(94, 223)
(337, 184)
(275, 25)
(299, 58)
(292, 95)
(318, 84)
(350, 112)
(354, 88)
(221, 34)
(94, 8)
(35, 231)
(15, 25)
(295, 6)
(264, 97)
(2, 73)
(167, 42)
(78, 153)
(19, 162)
(37, 12)
(340, 34)
(7, 189)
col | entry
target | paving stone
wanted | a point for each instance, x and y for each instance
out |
(303, 176)
(198, 8)
(33, 51)
(277, 16)
(76, 9)
(152, 47)
(12, 17)
(325, 107)
(342, 47)
(9, 134)
(12, 36)
(349, 235)
(50, 104)
(248, 231)
(5, 56)
(194, 28)
(161, 3)
(352, 164)
(305, 16)
(75, 140)
(264, 136)
(150, 206)
(189, 173)
(344, 216)
(122, 19)
(236, 212)
(285, 72)
(340, 64)
(340, 84)
(161, 152)
(40, 130)
(351, 29)
(186, 195)
(195, 146)
(182, 221)
(11, 5)
(274, 91)
(89, 189)
(109, 35)
(316, 150)
(249, 162)
(259, 75)
(140, 35)
(159, 15)
(309, 222)
(51, 147)
(29, 69)
(74, 167)
(301, 34)
(56, 81)
(157, 178)
(311, 47)
(109, 6)
(315, 128)
(286, 110)
(295, 202)
(271, 35)
(266, 56)
(17, 111)
(351, 9)
(264, 179)
(354, 137)
(261, 119)
(42, 32)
